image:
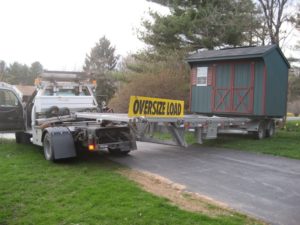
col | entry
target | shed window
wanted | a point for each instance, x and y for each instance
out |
(202, 76)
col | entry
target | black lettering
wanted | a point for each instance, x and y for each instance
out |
(172, 108)
(146, 107)
(160, 108)
(141, 106)
(154, 108)
(163, 108)
(135, 106)
(175, 108)
(149, 107)
(179, 109)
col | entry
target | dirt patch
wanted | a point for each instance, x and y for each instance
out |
(177, 193)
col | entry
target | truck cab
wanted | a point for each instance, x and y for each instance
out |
(11, 109)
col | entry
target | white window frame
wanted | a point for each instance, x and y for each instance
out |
(202, 72)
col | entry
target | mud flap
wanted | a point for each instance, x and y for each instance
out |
(62, 142)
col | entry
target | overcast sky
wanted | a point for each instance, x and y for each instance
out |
(59, 33)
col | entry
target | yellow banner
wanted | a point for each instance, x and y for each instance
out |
(155, 107)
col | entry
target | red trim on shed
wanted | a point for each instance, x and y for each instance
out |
(191, 85)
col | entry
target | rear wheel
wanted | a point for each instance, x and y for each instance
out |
(261, 131)
(48, 150)
(270, 129)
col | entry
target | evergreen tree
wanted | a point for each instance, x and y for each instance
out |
(101, 61)
(2, 69)
(196, 24)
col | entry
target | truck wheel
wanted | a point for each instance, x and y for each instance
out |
(261, 132)
(270, 129)
(48, 150)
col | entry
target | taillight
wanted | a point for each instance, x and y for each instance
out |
(91, 147)
(91, 143)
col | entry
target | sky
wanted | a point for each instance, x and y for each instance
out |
(59, 33)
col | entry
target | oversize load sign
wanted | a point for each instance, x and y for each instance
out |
(155, 107)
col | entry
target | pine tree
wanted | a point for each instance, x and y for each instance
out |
(101, 61)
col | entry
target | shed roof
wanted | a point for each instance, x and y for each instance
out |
(235, 53)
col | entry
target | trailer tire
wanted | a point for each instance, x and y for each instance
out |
(47, 146)
(270, 131)
(261, 131)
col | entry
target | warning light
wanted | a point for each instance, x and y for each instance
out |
(37, 82)
(91, 147)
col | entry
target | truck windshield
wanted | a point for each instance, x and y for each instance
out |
(67, 92)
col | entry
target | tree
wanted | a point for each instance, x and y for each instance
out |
(101, 61)
(2, 69)
(274, 17)
(35, 69)
(168, 78)
(17, 73)
(200, 24)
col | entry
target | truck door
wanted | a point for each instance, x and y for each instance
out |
(11, 111)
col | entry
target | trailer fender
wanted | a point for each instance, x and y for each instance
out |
(62, 142)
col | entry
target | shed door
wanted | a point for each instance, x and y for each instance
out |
(233, 88)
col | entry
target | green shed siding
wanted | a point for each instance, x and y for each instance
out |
(258, 88)
(276, 84)
(223, 75)
(201, 97)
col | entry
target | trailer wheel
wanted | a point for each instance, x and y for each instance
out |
(48, 150)
(270, 129)
(261, 131)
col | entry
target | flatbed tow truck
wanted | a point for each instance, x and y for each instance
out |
(63, 116)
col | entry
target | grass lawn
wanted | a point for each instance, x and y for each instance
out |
(285, 142)
(84, 191)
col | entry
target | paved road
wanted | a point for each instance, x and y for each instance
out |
(293, 118)
(263, 186)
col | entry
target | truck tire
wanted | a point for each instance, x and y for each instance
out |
(270, 131)
(48, 150)
(261, 131)
(22, 138)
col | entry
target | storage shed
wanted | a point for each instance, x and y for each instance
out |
(248, 81)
